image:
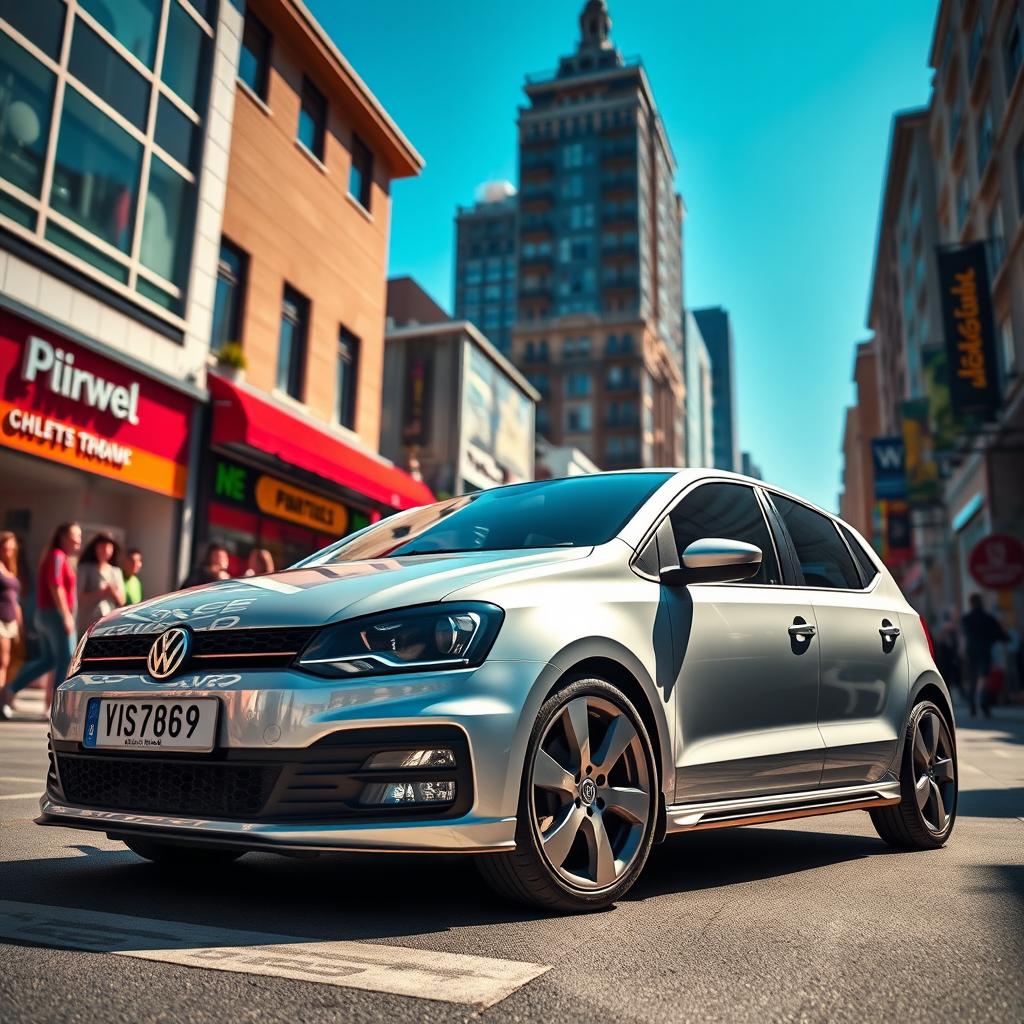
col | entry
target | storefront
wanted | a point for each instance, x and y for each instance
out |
(86, 437)
(275, 479)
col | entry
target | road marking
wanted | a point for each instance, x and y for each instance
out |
(17, 778)
(425, 974)
(22, 796)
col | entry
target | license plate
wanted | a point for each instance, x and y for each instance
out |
(164, 724)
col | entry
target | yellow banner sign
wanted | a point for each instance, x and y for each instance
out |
(276, 498)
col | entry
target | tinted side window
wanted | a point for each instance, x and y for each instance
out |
(868, 571)
(729, 511)
(819, 549)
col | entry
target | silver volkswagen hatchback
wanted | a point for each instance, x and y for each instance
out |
(549, 676)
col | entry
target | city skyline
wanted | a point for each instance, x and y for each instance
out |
(794, 321)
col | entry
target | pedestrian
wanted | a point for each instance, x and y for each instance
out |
(131, 569)
(982, 632)
(213, 567)
(11, 622)
(261, 562)
(947, 653)
(56, 594)
(100, 581)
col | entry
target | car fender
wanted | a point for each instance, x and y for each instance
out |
(584, 655)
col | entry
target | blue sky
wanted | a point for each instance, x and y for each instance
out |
(779, 115)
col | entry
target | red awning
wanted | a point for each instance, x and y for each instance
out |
(242, 416)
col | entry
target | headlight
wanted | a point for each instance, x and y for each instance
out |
(75, 665)
(443, 636)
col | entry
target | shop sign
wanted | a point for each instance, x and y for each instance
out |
(65, 403)
(255, 491)
(897, 544)
(969, 329)
(942, 424)
(997, 562)
(921, 468)
(889, 457)
(419, 373)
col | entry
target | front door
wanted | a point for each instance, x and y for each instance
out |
(748, 683)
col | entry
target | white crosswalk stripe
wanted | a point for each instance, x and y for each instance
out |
(425, 974)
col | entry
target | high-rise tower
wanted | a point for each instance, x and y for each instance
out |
(599, 323)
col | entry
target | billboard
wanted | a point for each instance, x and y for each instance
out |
(889, 458)
(969, 329)
(497, 424)
(941, 422)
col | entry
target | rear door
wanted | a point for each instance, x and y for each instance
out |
(748, 683)
(864, 671)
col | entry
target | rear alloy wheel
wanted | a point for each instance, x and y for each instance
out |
(588, 804)
(924, 817)
(181, 855)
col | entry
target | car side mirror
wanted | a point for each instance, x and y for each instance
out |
(714, 560)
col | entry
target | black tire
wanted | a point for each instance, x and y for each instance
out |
(908, 825)
(181, 855)
(526, 875)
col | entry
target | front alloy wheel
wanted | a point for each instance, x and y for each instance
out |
(588, 804)
(924, 817)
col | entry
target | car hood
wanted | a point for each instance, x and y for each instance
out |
(313, 596)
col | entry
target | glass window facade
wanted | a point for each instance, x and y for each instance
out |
(348, 369)
(113, 197)
(360, 179)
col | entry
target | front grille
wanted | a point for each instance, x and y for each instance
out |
(317, 784)
(164, 787)
(227, 648)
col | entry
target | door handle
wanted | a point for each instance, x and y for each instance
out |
(802, 631)
(889, 632)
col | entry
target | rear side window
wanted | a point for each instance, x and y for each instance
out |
(822, 555)
(868, 570)
(729, 511)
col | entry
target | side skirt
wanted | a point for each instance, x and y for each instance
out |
(781, 807)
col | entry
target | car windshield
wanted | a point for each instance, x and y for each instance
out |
(576, 512)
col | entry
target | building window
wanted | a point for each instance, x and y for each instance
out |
(963, 202)
(1008, 350)
(956, 115)
(254, 59)
(291, 344)
(996, 239)
(577, 385)
(232, 270)
(985, 138)
(348, 370)
(1013, 52)
(1019, 163)
(975, 46)
(312, 118)
(360, 178)
(103, 213)
(579, 418)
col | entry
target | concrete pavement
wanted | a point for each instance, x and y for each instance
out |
(808, 921)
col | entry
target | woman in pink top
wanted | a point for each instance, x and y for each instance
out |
(56, 592)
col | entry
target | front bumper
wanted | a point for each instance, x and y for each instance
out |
(281, 721)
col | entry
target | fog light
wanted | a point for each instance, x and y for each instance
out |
(436, 758)
(387, 794)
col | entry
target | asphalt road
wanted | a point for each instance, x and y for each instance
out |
(804, 921)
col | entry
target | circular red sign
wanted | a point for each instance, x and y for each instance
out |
(997, 562)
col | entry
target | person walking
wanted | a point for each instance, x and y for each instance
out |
(56, 594)
(100, 581)
(132, 583)
(982, 631)
(214, 567)
(261, 562)
(11, 622)
(947, 653)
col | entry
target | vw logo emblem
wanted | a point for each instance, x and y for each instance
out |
(168, 653)
(588, 791)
